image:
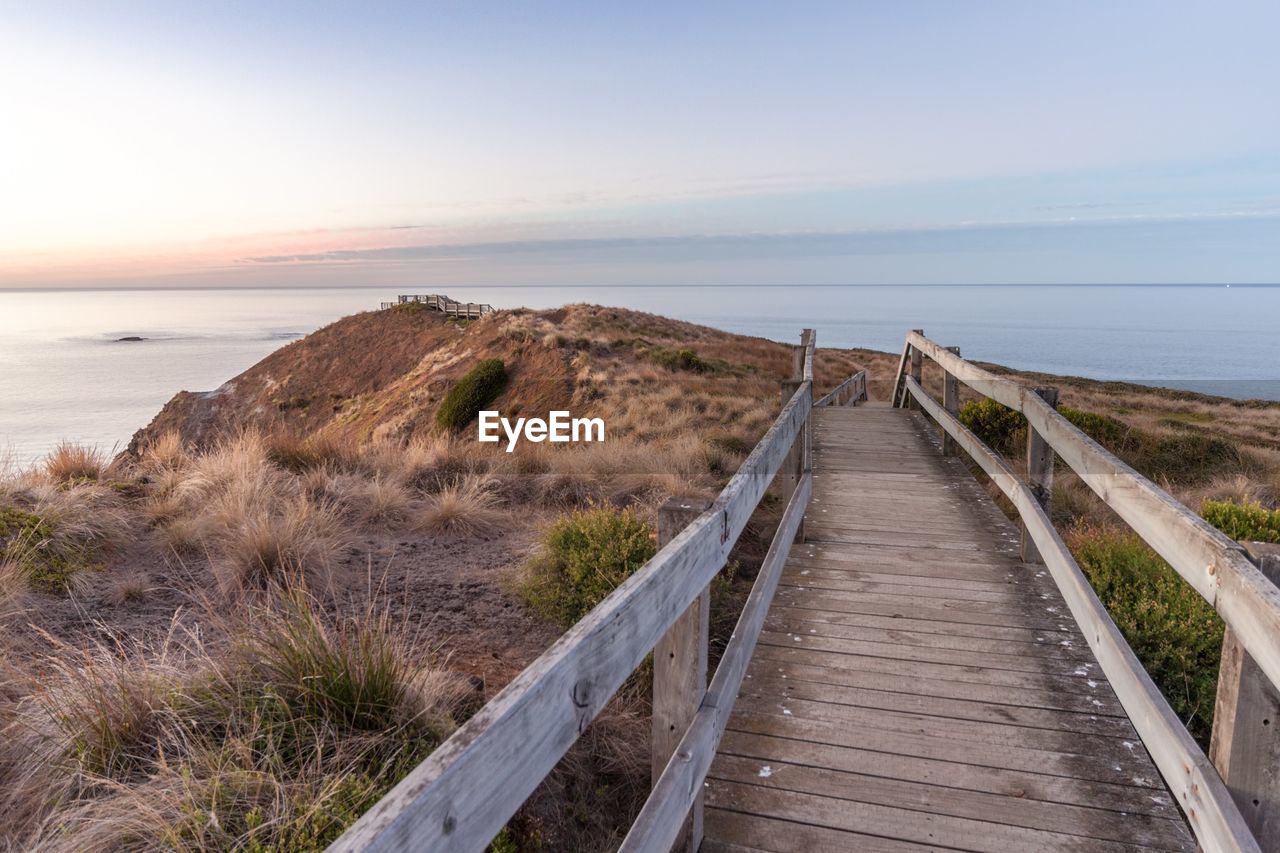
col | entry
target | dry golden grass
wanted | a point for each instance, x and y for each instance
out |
(273, 737)
(467, 510)
(255, 546)
(128, 587)
(14, 585)
(69, 462)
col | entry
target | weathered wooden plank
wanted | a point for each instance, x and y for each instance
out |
(772, 686)
(975, 732)
(1028, 785)
(1005, 661)
(1210, 810)
(793, 663)
(901, 824)
(901, 607)
(1087, 823)
(998, 633)
(741, 831)
(937, 745)
(792, 623)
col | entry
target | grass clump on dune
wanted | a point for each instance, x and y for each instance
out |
(482, 384)
(277, 742)
(62, 533)
(584, 557)
(70, 463)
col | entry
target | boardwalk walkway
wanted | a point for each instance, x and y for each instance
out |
(916, 686)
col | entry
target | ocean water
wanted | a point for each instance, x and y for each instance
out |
(64, 373)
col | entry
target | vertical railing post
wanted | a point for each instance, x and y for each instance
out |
(793, 466)
(1245, 744)
(680, 666)
(1039, 474)
(950, 402)
(808, 338)
(917, 371)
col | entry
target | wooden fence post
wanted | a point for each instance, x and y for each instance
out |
(1039, 474)
(950, 402)
(680, 664)
(917, 366)
(1245, 745)
(792, 470)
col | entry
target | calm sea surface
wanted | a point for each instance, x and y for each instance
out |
(65, 375)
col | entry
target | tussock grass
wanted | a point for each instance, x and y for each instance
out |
(69, 463)
(53, 533)
(467, 510)
(277, 740)
(303, 453)
(258, 545)
(14, 584)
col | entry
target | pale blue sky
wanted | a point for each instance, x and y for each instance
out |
(313, 143)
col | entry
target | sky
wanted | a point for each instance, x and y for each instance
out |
(323, 144)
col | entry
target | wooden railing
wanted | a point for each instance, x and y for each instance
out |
(849, 391)
(445, 305)
(461, 796)
(1242, 812)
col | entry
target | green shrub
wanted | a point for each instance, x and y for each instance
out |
(682, 359)
(997, 425)
(585, 556)
(473, 392)
(1181, 458)
(1175, 633)
(1104, 429)
(1248, 522)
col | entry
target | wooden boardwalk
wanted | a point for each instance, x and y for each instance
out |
(918, 687)
(909, 672)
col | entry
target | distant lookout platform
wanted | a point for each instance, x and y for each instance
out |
(443, 304)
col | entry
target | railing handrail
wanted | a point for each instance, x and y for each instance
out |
(856, 385)
(1214, 565)
(461, 795)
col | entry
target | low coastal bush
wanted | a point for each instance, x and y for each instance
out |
(1173, 631)
(997, 425)
(681, 359)
(585, 556)
(1178, 458)
(1245, 522)
(480, 387)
